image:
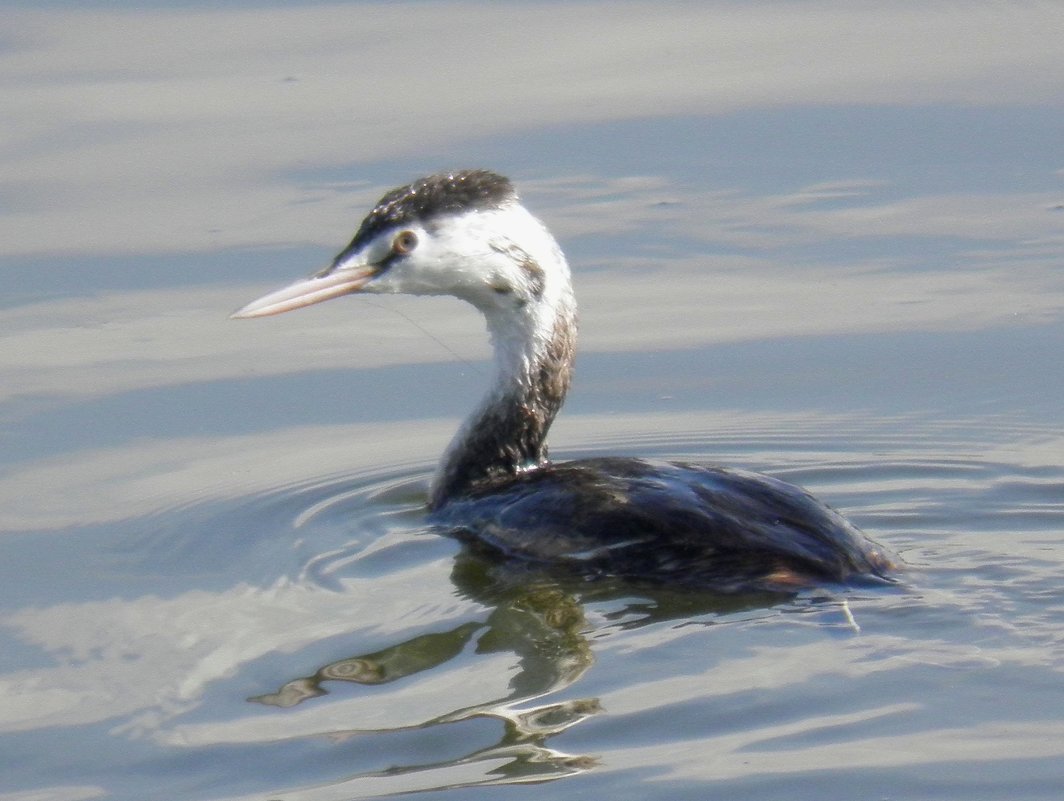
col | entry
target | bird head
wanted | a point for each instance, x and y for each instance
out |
(463, 234)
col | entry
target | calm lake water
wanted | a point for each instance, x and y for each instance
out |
(823, 240)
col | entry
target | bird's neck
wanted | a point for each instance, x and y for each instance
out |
(507, 434)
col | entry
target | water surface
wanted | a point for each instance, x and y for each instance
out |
(816, 239)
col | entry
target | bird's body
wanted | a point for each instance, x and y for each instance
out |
(465, 234)
(684, 524)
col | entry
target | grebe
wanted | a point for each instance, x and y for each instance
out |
(466, 234)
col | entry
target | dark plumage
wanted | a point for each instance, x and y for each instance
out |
(434, 196)
(678, 523)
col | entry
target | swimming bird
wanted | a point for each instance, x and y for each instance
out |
(467, 234)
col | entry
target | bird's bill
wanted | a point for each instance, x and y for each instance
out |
(308, 291)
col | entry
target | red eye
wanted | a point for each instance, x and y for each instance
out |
(404, 242)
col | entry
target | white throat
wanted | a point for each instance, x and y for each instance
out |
(530, 311)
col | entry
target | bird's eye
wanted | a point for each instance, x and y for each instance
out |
(404, 242)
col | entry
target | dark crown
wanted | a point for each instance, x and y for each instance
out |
(444, 193)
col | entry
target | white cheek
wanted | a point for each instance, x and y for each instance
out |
(427, 271)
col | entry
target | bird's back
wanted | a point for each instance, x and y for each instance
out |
(666, 522)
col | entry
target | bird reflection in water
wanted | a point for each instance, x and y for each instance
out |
(543, 626)
(539, 618)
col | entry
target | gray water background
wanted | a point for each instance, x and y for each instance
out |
(819, 239)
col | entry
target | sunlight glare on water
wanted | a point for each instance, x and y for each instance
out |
(818, 240)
